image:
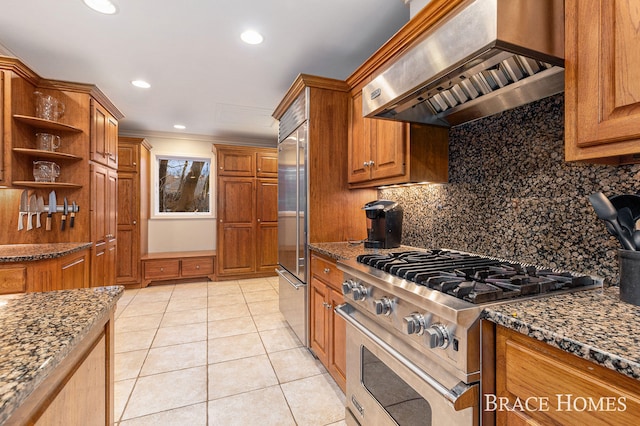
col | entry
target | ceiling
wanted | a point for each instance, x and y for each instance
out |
(201, 74)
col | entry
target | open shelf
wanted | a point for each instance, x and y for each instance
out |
(46, 124)
(34, 184)
(54, 155)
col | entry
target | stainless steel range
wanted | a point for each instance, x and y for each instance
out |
(413, 335)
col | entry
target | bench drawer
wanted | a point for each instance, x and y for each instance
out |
(197, 266)
(165, 269)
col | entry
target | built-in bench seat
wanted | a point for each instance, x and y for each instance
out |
(178, 265)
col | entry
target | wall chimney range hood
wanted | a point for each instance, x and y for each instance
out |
(487, 56)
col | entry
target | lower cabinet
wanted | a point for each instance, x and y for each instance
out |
(539, 384)
(327, 330)
(61, 273)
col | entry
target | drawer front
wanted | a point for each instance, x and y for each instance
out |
(197, 266)
(13, 280)
(166, 268)
(327, 271)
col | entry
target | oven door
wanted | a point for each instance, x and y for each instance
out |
(384, 387)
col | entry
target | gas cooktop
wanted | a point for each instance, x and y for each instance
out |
(474, 278)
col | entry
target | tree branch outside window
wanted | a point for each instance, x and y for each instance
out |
(183, 185)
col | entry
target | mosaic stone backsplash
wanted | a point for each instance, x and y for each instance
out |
(511, 195)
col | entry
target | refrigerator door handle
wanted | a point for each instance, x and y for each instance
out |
(283, 273)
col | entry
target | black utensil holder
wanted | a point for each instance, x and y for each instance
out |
(629, 262)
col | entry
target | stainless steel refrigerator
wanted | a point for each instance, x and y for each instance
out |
(292, 215)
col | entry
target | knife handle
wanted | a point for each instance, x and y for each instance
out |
(29, 221)
(38, 223)
(48, 225)
(62, 222)
(20, 225)
(72, 219)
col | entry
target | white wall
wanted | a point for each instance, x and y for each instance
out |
(190, 232)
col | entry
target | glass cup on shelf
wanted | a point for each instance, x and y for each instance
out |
(47, 141)
(45, 171)
(48, 107)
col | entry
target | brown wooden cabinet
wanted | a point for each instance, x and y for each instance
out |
(383, 152)
(327, 336)
(133, 209)
(247, 211)
(3, 119)
(104, 136)
(602, 81)
(104, 181)
(59, 273)
(558, 387)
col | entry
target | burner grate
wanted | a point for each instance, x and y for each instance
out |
(474, 278)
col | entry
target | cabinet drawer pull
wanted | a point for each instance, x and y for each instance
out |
(161, 269)
(197, 266)
(327, 270)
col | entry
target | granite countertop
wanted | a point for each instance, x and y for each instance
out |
(346, 250)
(38, 330)
(33, 252)
(593, 324)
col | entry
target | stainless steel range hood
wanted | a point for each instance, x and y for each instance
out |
(484, 58)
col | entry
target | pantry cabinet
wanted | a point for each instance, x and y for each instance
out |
(602, 81)
(133, 209)
(247, 211)
(546, 385)
(327, 335)
(3, 119)
(104, 184)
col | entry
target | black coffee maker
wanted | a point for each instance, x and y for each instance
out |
(384, 224)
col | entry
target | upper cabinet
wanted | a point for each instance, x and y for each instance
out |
(104, 136)
(383, 152)
(602, 81)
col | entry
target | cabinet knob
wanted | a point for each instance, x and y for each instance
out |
(327, 270)
(258, 220)
(365, 164)
(221, 168)
(161, 269)
(135, 222)
(259, 170)
(134, 163)
(371, 163)
(197, 266)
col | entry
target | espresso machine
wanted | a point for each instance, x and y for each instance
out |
(384, 224)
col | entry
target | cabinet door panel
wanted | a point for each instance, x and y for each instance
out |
(602, 82)
(236, 200)
(338, 354)
(236, 163)
(267, 247)
(74, 272)
(238, 254)
(319, 322)
(98, 133)
(267, 165)
(99, 190)
(359, 137)
(267, 200)
(388, 149)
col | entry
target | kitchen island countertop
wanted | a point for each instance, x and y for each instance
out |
(593, 324)
(37, 332)
(34, 252)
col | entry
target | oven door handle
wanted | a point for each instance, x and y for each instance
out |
(461, 396)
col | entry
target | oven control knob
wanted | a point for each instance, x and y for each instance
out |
(437, 336)
(348, 285)
(382, 306)
(359, 292)
(414, 324)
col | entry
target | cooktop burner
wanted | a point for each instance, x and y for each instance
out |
(473, 278)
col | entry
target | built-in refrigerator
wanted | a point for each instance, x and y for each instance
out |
(292, 217)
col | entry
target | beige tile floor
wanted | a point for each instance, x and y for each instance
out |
(216, 353)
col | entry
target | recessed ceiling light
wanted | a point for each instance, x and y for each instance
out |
(251, 37)
(141, 83)
(179, 126)
(103, 6)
